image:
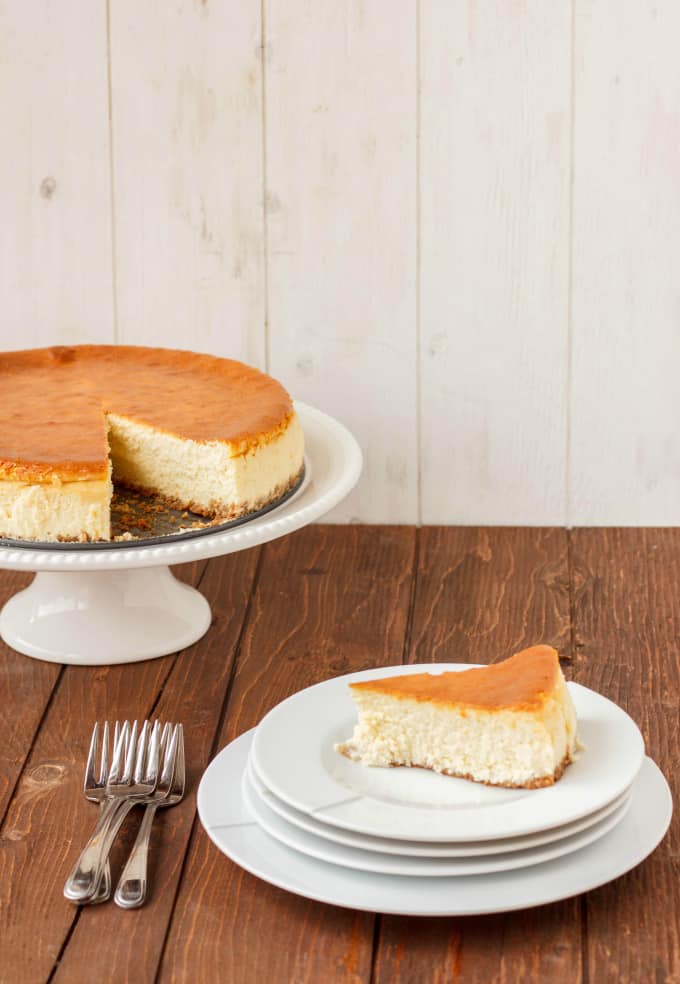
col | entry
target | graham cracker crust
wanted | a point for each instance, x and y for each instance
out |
(538, 783)
(216, 510)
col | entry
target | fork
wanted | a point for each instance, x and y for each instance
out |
(133, 775)
(131, 890)
(95, 790)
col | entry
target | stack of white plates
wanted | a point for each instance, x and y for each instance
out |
(282, 803)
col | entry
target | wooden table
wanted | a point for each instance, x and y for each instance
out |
(326, 601)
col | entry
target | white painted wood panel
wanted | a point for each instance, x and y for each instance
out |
(494, 180)
(187, 152)
(412, 271)
(55, 209)
(625, 400)
(341, 211)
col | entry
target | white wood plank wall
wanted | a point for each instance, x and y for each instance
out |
(494, 248)
(455, 226)
(55, 184)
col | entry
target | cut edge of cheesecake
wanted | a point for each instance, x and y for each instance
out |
(213, 478)
(509, 724)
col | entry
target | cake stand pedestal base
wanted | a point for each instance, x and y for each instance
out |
(94, 618)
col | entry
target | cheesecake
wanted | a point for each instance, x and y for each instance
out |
(512, 723)
(209, 435)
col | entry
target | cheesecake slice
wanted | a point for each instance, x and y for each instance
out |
(508, 724)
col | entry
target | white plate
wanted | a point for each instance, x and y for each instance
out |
(293, 753)
(390, 864)
(432, 849)
(233, 830)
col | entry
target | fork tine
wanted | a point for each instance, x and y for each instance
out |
(104, 762)
(170, 758)
(131, 752)
(92, 756)
(116, 734)
(163, 741)
(140, 751)
(179, 778)
(117, 760)
(150, 774)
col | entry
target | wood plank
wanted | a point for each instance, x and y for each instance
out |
(341, 89)
(485, 593)
(482, 594)
(25, 689)
(328, 601)
(494, 245)
(627, 635)
(626, 237)
(536, 945)
(187, 160)
(48, 815)
(194, 694)
(55, 233)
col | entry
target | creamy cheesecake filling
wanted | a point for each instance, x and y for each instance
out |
(56, 510)
(213, 478)
(521, 747)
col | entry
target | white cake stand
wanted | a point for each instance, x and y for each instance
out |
(121, 604)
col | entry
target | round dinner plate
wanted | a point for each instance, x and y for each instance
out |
(391, 864)
(236, 834)
(431, 849)
(294, 755)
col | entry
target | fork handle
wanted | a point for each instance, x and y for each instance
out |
(131, 890)
(83, 882)
(103, 892)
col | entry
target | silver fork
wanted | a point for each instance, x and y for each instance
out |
(133, 775)
(131, 890)
(95, 790)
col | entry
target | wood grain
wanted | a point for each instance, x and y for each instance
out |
(55, 203)
(627, 634)
(537, 946)
(329, 600)
(48, 816)
(341, 88)
(187, 170)
(25, 688)
(482, 594)
(193, 694)
(485, 593)
(325, 601)
(494, 247)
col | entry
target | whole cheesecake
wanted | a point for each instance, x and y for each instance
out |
(207, 434)
(508, 724)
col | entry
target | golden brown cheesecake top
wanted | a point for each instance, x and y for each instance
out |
(521, 682)
(53, 403)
